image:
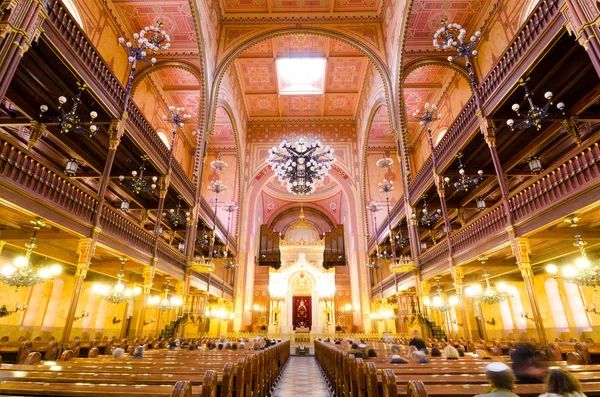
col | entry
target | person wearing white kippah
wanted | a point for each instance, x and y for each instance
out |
(502, 380)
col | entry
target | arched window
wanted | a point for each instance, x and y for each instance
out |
(164, 139)
(517, 306)
(558, 310)
(577, 307)
(506, 316)
(74, 12)
(440, 136)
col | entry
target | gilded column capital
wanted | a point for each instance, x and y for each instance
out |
(521, 250)
(180, 288)
(425, 288)
(488, 129)
(2, 243)
(85, 250)
(148, 275)
(82, 269)
(36, 130)
(163, 184)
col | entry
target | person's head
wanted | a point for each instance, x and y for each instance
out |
(561, 382)
(354, 346)
(415, 333)
(118, 352)
(435, 352)
(362, 346)
(500, 376)
(483, 354)
(172, 345)
(461, 351)
(395, 349)
(220, 346)
(396, 359)
(222, 338)
(234, 346)
(138, 351)
(450, 352)
(228, 345)
(412, 350)
(371, 353)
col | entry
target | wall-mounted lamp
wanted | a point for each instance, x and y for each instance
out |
(115, 321)
(152, 321)
(83, 315)
(591, 308)
(124, 205)
(457, 323)
(527, 317)
(480, 202)
(18, 308)
(71, 167)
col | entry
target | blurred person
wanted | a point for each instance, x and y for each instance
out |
(118, 352)
(138, 352)
(502, 380)
(526, 365)
(417, 342)
(451, 353)
(561, 383)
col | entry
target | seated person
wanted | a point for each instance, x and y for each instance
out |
(461, 351)
(354, 350)
(451, 353)
(420, 357)
(502, 381)
(220, 346)
(234, 346)
(417, 342)
(242, 346)
(483, 354)
(223, 339)
(560, 383)
(138, 352)
(371, 353)
(396, 359)
(435, 352)
(395, 349)
(172, 345)
(118, 352)
(526, 366)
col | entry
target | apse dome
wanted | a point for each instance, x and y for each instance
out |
(302, 232)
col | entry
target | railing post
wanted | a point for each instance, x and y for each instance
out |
(20, 25)
(85, 250)
(582, 21)
(521, 250)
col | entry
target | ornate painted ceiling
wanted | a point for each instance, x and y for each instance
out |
(341, 84)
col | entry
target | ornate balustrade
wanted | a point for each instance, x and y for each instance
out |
(125, 231)
(21, 171)
(506, 72)
(573, 176)
(436, 255)
(423, 179)
(65, 34)
(169, 254)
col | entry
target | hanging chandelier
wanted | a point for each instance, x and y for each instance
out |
(428, 219)
(385, 311)
(452, 37)
(488, 295)
(229, 207)
(166, 303)
(536, 115)
(150, 39)
(302, 166)
(464, 183)
(373, 207)
(22, 273)
(117, 293)
(425, 119)
(176, 216)
(70, 121)
(438, 303)
(219, 164)
(206, 265)
(384, 162)
(138, 183)
(585, 273)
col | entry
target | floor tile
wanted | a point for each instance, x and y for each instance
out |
(302, 375)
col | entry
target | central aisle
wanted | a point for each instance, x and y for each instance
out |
(302, 376)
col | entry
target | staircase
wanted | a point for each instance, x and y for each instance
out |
(169, 330)
(436, 331)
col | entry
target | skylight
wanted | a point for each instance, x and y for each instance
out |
(301, 76)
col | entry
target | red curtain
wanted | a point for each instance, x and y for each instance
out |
(302, 312)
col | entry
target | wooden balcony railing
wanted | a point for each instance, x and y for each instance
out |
(535, 27)
(113, 93)
(170, 255)
(480, 229)
(435, 255)
(126, 231)
(44, 184)
(554, 185)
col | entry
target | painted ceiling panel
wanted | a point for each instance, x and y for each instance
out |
(260, 105)
(345, 74)
(257, 75)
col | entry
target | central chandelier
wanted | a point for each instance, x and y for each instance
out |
(70, 121)
(464, 183)
(138, 183)
(166, 303)
(117, 293)
(536, 115)
(301, 165)
(585, 273)
(438, 303)
(22, 273)
(488, 295)
(150, 39)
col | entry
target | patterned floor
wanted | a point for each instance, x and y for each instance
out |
(303, 377)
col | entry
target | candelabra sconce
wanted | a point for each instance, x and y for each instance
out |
(536, 115)
(150, 39)
(115, 321)
(491, 322)
(70, 121)
(83, 315)
(18, 308)
(457, 323)
(138, 183)
(152, 321)
(591, 308)
(526, 316)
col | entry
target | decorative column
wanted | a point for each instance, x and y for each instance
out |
(488, 129)
(148, 275)
(85, 250)
(425, 289)
(163, 183)
(583, 21)
(521, 250)
(458, 276)
(20, 25)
